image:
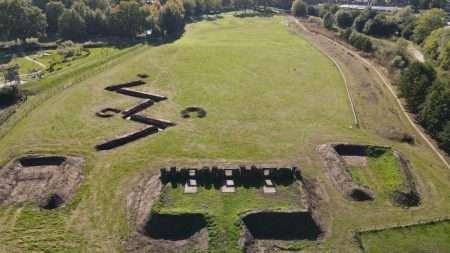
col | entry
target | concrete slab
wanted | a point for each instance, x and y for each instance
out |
(268, 183)
(269, 190)
(192, 182)
(228, 173)
(228, 189)
(190, 189)
(192, 173)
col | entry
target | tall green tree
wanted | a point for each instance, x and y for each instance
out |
(344, 18)
(53, 11)
(19, 19)
(328, 20)
(435, 110)
(299, 8)
(171, 18)
(427, 22)
(414, 84)
(127, 19)
(444, 138)
(71, 25)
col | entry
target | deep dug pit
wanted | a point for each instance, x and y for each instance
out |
(156, 232)
(174, 227)
(50, 181)
(277, 225)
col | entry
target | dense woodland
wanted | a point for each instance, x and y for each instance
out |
(83, 19)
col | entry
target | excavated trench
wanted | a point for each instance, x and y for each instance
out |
(125, 139)
(31, 161)
(190, 111)
(50, 181)
(272, 225)
(174, 226)
(153, 125)
(125, 85)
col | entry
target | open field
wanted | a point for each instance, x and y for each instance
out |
(422, 238)
(269, 95)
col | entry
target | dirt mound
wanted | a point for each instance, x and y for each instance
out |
(50, 181)
(274, 225)
(198, 111)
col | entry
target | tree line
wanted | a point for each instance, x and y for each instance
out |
(82, 19)
(424, 86)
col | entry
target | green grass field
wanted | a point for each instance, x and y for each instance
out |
(429, 238)
(269, 94)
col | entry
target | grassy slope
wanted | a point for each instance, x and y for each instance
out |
(269, 95)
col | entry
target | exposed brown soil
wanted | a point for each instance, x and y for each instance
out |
(50, 181)
(336, 169)
(160, 232)
(144, 104)
(189, 111)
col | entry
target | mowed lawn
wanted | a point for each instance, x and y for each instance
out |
(429, 238)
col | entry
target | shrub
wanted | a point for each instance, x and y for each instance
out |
(414, 84)
(328, 21)
(360, 41)
(444, 138)
(399, 62)
(380, 26)
(344, 19)
(299, 8)
(313, 11)
(69, 49)
(360, 21)
(9, 95)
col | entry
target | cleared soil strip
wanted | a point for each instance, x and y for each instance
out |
(391, 90)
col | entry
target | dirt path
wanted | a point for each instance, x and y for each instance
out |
(36, 62)
(416, 53)
(336, 50)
